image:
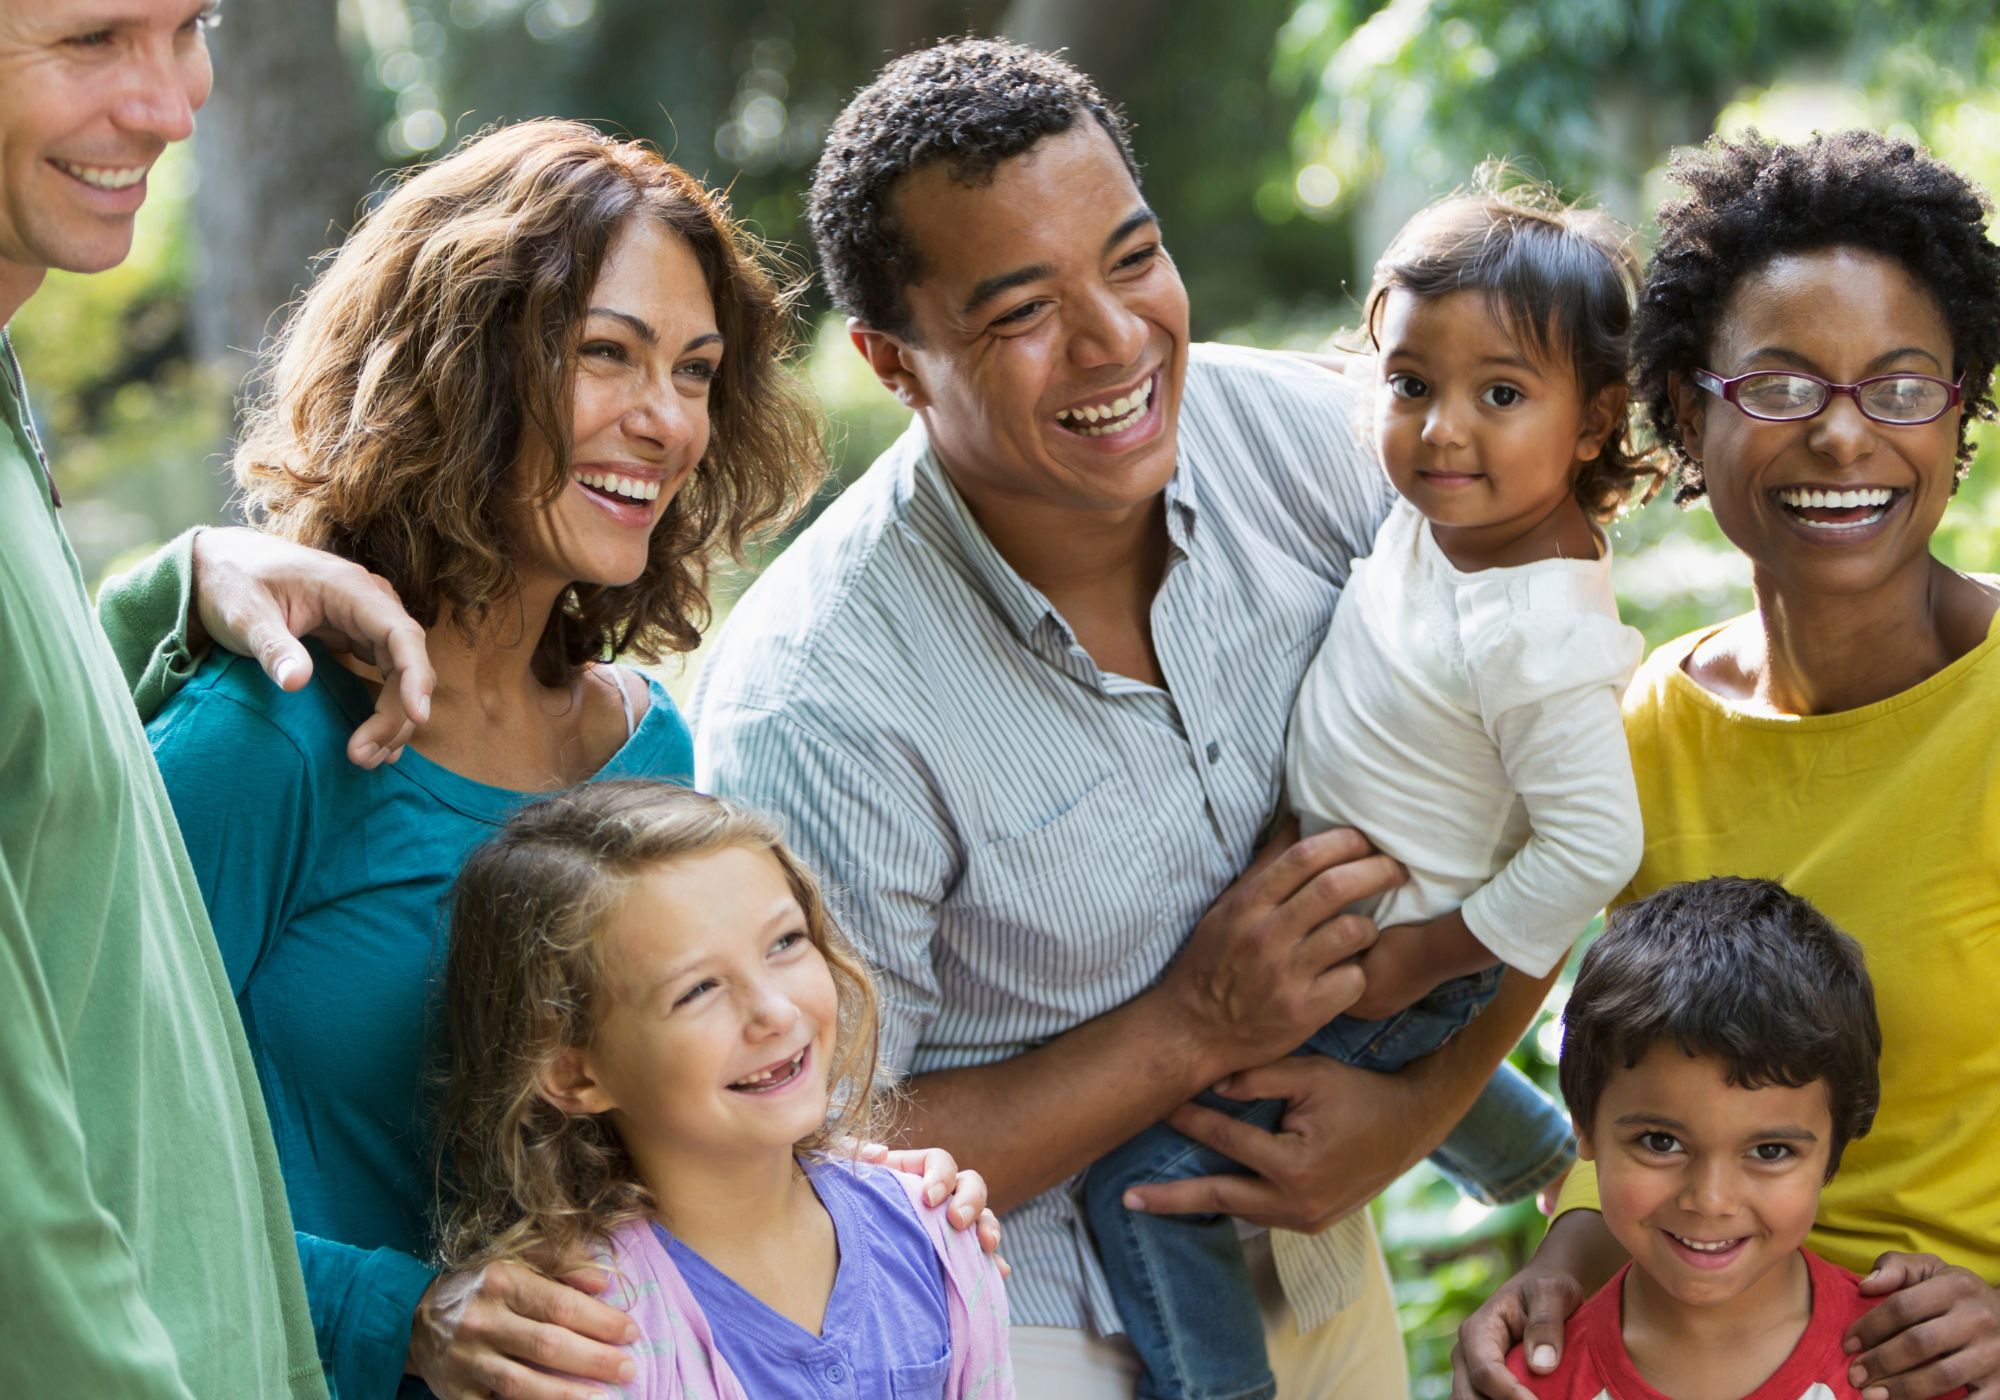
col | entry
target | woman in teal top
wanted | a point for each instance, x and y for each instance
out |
(509, 396)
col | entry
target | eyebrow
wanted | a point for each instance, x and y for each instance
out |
(646, 333)
(1807, 363)
(1003, 282)
(1787, 1133)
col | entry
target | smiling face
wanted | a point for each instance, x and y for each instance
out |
(1049, 335)
(1476, 433)
(647, 359)
(91, 92)
(717, 1036)
(1709, 1186)
(1835, 505)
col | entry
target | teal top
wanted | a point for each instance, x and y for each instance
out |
(326, 884)
(149, 1249)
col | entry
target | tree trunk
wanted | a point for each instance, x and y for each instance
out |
(283, 161)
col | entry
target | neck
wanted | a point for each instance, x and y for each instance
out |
(722, 1206)
(1065, 551)
(1823, 655)
(494, 666)
(18, 282)
(1662, 1333)
(1563, 531)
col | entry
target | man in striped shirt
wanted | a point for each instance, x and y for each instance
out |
(1022, 692)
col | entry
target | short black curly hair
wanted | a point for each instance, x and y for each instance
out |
(973, 102)
(1752, 200)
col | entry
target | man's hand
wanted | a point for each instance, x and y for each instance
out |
(1576, 1257)
(256, 594)
(1346, 1133)
(1939, 1331)
(503, 1329)
(942, 1178)
(1272, 959)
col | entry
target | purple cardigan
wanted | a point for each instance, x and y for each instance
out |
(676, 1351)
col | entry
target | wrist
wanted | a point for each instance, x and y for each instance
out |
(1450, 947)
(1167, 1036)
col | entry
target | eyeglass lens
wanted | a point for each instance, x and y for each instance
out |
(1897, 399)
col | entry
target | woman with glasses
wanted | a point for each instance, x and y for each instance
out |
(1819, 326)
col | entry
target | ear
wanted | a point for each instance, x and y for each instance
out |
(1586, 1151)
(1602, 418)
(569, 1083)
(889, 357)
(1690, 411)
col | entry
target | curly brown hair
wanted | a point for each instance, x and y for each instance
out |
(1561, 278)
(520, 1178)
(438, 346)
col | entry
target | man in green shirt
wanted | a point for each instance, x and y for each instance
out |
(150, 1248)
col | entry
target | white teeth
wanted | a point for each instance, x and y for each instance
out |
(1810, 498)
(765, 1076)
(631, 487)
(105, 177)
(1705, 1246)
(1113, 417)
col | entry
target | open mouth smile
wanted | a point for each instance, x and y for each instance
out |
(103, 177)
(1706, 1254)
(1118, 414)
(1836, 511)
(773, 1077)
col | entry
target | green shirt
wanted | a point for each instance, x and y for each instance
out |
(149, 1248)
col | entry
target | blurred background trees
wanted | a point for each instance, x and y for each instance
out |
(1284, 141)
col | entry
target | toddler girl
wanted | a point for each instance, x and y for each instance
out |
(1462, 713)
(656, 1031)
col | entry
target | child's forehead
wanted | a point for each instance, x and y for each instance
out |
(1701, 1095)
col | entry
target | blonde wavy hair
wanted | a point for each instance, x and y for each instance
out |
(438, 347)
(520, 1178)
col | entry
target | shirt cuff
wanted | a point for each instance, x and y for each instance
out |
(369, 1357)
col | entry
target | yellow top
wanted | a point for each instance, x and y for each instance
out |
(1888, 819)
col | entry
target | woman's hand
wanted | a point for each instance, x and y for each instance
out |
(1939, 1330)
(501, 1329)
(942, 1178)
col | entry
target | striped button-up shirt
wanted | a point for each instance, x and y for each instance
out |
(1019, 840)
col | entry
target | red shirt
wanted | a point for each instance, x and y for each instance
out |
(1596, 1366)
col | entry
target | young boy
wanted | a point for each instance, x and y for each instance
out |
(1719, 1050)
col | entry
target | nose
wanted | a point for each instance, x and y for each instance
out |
(1709, 1189)
(1842, 433)
(672, 426)
(1105, 331)
(167, 83)
(1443, 425)
(768, 1011)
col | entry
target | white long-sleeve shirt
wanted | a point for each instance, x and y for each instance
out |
(1468, 724)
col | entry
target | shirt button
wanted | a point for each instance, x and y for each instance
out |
(1214, 750)
(836, 1373)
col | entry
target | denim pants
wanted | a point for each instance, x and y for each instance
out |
(1180, 1281)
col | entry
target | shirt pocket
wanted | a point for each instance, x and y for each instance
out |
(1071, 899)
(923, 1381)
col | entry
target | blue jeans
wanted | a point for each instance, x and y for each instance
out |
(1180, 1281)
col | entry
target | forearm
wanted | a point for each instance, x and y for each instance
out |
(1580, 1246)
(1029, 1122)
(1447, 1081)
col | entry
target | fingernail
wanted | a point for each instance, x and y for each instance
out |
(1544, 1358)
(367, 753)
(1133, 1200)
(422, 709)
(626, 1370)
(1873, 1274)
(286, 665)
(1222, 1084)
(934, 1192)
(1856, 1375)
(1851, 1344)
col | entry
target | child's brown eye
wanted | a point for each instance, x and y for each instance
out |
(1502, 396)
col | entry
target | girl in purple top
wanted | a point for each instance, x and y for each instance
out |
(656, 1031)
